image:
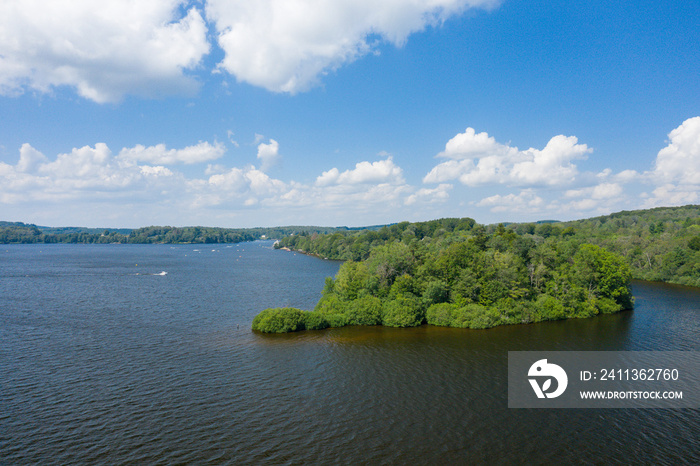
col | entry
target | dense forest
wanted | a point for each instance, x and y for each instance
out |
(661, 244)
(453, 272)
(21, 233)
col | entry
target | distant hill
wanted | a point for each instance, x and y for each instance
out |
(661, 244)
(22, 233)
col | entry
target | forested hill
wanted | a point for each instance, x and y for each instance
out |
(17, 232)
(661, 244)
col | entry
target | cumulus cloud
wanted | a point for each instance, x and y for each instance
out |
(672, 195)
(137, 180)
(477, 159)
(92, 170)
(286, 45)
(29, 159)
(674, 179)
(103, 49)
(525, 201)
(268, 154)
(438, 194)
(601, 191)
(679, 161)
(141, 179)
(159, 154)
(381, 171)
(677, 168)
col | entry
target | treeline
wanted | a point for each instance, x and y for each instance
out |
(356, 245)
(20, 233)
(465, 277)
(661, 244)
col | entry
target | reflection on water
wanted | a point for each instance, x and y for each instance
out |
(102, 365)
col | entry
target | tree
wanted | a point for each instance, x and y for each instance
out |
(352, 277)
(694, 243)
(602, 274)
(403, 311)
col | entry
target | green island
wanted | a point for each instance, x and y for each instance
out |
(454, 272)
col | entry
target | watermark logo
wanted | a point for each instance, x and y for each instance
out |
(604, 379)
(542, 370)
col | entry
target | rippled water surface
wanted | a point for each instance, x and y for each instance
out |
(106, 359)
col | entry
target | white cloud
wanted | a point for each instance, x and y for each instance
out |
(103, 49)
(477, 159)
(381, 171)
(438, 194)
(141, 182)
(673, 195)
(84, 174)
(286, 45)
(677, 167)
(606, 191)
(159, 154)
(268, 154)
(238, 185)
(472, 145)
(156, 171)
(29, 159)
(136, 184)
(88, 168)
(627, 176)
(525, 201)
(551, 165)
(679, 162)
(598, 192)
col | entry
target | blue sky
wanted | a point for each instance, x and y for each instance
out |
(351, 112)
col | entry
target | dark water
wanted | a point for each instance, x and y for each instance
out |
(102, 361)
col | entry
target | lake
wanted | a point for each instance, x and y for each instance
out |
(118, 354)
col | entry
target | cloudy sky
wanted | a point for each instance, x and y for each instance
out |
(233, 113)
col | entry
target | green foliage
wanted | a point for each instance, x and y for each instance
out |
(366, 310)
(404, 310)
(459, 282)
(607, 306)
(315, 321)
(694, 243)
(279, 320)
(549, 308)
(472, 315)
(330, 303)
(440, 314)
(405, 284)
(356, 245)
(658, 244)
(389, 261)
(436, 291)
(603, 274)
(336, 320)
(351, 279)
(455, 273)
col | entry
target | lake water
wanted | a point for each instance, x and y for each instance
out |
(106, 359)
